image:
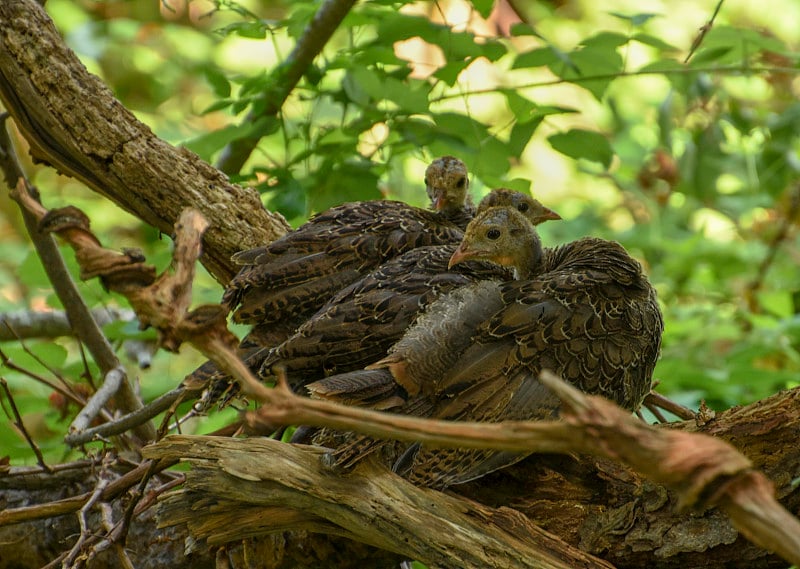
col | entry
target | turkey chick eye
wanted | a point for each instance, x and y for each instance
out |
(493, 234)
(460, 182)
(427, 182)
(523, 207)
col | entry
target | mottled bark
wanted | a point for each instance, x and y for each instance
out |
(73, 122)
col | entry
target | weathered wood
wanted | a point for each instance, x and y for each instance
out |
(593, 504)
(73, 122)
(243, 487)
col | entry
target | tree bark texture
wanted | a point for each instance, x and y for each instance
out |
(245, 488)
(73, 122)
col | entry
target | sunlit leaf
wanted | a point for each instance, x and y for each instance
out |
(635, 19)
(484, 7)
(584, 144)
(653, 41)
(535, 58)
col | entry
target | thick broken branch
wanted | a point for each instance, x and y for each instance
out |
(702, 470)
(262, 477)
(72, 121)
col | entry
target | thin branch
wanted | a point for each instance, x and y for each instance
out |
(654, 400)
(31, 477)
(723, 69)
(701, 34)
(53, 323)
(704, 471)
(111, 384)
(85, 534)
(67, 392)
(74, 503)
(86, 328)
(21, 426)
(285, 78)
(126, 422)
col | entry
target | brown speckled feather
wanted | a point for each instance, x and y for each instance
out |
(591, 317)
(291, 278)
(358, 325)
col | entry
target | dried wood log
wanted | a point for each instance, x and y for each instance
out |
(594, 504)
(240, 488)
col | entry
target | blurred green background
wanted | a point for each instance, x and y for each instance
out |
(589, 105)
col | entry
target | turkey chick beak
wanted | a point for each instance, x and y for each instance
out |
(461, 254)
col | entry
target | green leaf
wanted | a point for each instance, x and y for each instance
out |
(521, 29)
(663, 65)
(521, 134)
(536, 58)
(217, 106)
(516, 184)
(219, 83)
(653, 41)
(605, 40)
(484, 7)
(710, 55)
(636, 19)
(603, 63)
(342, 182)
(778, 302)
(450, 71)
(207, 144)
(409, 96)
(585, 144)
(287, 195)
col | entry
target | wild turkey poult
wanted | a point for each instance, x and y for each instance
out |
(361, 322)
(292, 277)
(589, 314)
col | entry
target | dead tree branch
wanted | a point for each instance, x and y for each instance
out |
(375, 507)
(703, 471)
(24, 324)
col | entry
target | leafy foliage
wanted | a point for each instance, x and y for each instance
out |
(692, 166)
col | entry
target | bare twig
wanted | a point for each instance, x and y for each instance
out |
(75, 503)
(654, 400)
(80, 317)
(53, 323)
(37, 477)
(701, 34)
(93, 407)
(85, 534)
(21, 426)
(285, 78)
(66, 391)
(126, 422)
(740, 69)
